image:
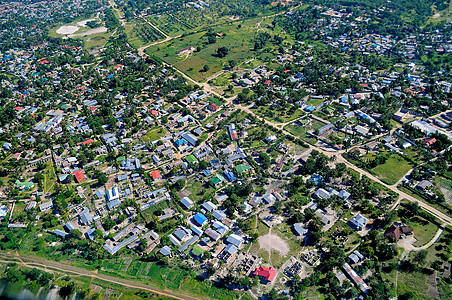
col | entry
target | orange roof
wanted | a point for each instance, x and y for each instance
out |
(155, 174)
(89, 141)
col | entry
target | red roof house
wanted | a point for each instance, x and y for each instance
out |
(213, 107)
(79, 175)
(154, 113)
(266, 273)
(156, 174)
(267, 82)
(87, 142)
(429, 142)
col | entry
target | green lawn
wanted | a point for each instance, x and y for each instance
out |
(154, 134)
(392, 170)
(278, 116)
(423, 231)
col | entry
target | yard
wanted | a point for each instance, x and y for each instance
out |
(196, 191)
(392, 170)
(154, 134)
(279, 116)
(423, 231)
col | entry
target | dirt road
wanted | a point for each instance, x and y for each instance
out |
(38, 262)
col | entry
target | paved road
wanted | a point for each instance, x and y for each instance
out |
(38, 262)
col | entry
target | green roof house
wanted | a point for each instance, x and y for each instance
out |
(191, 159)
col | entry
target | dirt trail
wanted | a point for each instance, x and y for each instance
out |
(38, 262)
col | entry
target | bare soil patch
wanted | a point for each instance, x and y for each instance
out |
(67, 29)
(271, 242)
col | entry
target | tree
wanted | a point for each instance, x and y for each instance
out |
(108, 223)
(420, 257)
(232, 64)
(222, 52)
(143, 245)
(211, 39)
(101, 177)
(205, 68)
(265, 160)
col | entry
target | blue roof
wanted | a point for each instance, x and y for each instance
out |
(230, 176)
(180, 142)
(309, 108)
(207, 172)
(200, 219)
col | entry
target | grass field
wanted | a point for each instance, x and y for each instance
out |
(239, 41)
(415, 282)
(169, 24)
(423, 231)
(278, 116)
(392, 170)
(154, 134)
(445, 186)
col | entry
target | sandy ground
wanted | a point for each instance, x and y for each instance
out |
(83, 23)
(90, 32)
(67, 29)
(437, 15)
(271, 242)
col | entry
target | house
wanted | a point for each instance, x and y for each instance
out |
(358, 222)
(46, 206)
(3, 211)
(69, 226)
(79, 175)
(165, 251)
(85, 218)
(316, 179)
(241, 168)
(219, 215)
(355, 257)
(299, 229)
(182, 233)
(321, 194)
(265, 273)
(269, 198)
(429, 142)
(113, 193)
(186, 202)
(394, 232)
(156, 175)
(200, 219)
(344, 195)
(232, 133)
(209, 206)
(213, 107)
(235, 240)
(424, 185)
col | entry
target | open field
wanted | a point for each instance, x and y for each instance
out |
(445, 187)
(238, 39)
(392, 170)
(279, 116)
(423, 231)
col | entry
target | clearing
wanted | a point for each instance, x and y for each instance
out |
(271, 242)
(392, 170)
